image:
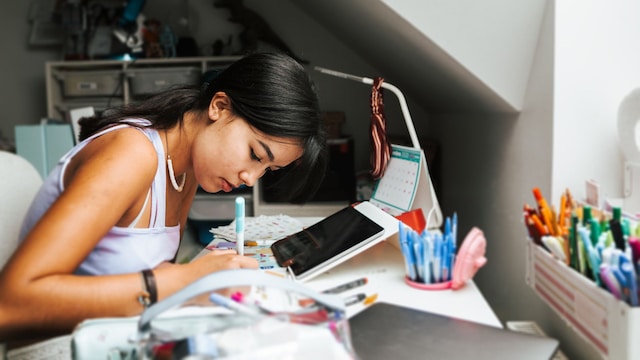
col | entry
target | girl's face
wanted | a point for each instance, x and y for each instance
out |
(229, 152)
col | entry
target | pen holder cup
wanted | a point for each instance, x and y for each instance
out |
(459, 268)
(435, 286)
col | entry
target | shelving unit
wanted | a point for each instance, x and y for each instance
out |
(106, 83)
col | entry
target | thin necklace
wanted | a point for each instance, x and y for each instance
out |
(172, 175)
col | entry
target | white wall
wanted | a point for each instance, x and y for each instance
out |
(585, 62)
(494, 39)
(597, 64)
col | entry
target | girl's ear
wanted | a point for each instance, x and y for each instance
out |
(219, 103)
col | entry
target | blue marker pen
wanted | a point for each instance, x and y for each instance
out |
(427, 256)
(437, 257)
(454, 232)
(406, 251)
(419, 254)
(240, 225)
(444, 258)
(629, 273)
(447, 227)
(451, 253)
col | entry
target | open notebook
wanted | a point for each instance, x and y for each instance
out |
(386, 331)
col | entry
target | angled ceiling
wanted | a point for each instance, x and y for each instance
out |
(408, 57)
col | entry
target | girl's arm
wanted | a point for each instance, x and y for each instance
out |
(39, 294)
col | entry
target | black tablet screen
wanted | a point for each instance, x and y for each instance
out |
(324, 240)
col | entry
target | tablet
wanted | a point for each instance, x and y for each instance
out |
(323, 245)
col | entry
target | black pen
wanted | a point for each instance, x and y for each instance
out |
(346, 286)
(354, 299)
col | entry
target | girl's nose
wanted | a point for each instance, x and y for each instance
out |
(250, 177)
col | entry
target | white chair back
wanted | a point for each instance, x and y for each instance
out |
(19, 182)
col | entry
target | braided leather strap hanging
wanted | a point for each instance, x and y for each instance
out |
(381, 149)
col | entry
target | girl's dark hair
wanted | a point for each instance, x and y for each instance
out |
(271, 91)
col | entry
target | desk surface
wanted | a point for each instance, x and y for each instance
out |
(383, 266)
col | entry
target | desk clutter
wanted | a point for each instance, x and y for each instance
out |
(260, 232)
(232, 314)
(601, 245)
(582, 261)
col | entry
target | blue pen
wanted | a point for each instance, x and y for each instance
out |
(451, 254)
(444, 259)
(407, 252)
(401, 241)
(630, 275)
(447, 227)
(437, 254)
(454, 232)
(240, 225)
(427, 251)
(419, 254)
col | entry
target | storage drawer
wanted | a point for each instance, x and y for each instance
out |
(153, 80)
(90, 83)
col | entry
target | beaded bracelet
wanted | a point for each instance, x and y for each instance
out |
(149, 295)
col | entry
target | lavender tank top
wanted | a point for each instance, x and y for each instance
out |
(123, 249)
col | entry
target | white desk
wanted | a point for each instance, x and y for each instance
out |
(383, 266)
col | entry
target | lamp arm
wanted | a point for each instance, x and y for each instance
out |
(386, 85)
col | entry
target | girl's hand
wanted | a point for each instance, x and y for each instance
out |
(218, 260)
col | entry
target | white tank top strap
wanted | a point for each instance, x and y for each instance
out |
(159, 187)
(144, 206)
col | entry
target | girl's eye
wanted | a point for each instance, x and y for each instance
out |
(255, 157)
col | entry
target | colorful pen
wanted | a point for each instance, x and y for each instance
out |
(629, 272)
(454, 232)
(610, 281)
(240, 225)
(354, 299)
(593, 259)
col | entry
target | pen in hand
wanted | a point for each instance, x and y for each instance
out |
(240, 225)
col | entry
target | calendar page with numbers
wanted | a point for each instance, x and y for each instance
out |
(406, 185)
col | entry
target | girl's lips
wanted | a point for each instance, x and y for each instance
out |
(226, 186)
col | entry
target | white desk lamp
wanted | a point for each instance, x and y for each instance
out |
(425, 196)
(386, 85)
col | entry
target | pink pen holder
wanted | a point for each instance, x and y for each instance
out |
(470, 258)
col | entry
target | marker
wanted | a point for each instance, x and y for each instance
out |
(370, 299)
(544, 210)
(454, 232)
(628, 271)
(610, 281)
(346, 286)
(354, 299)
(233, 305)
(240, 225)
